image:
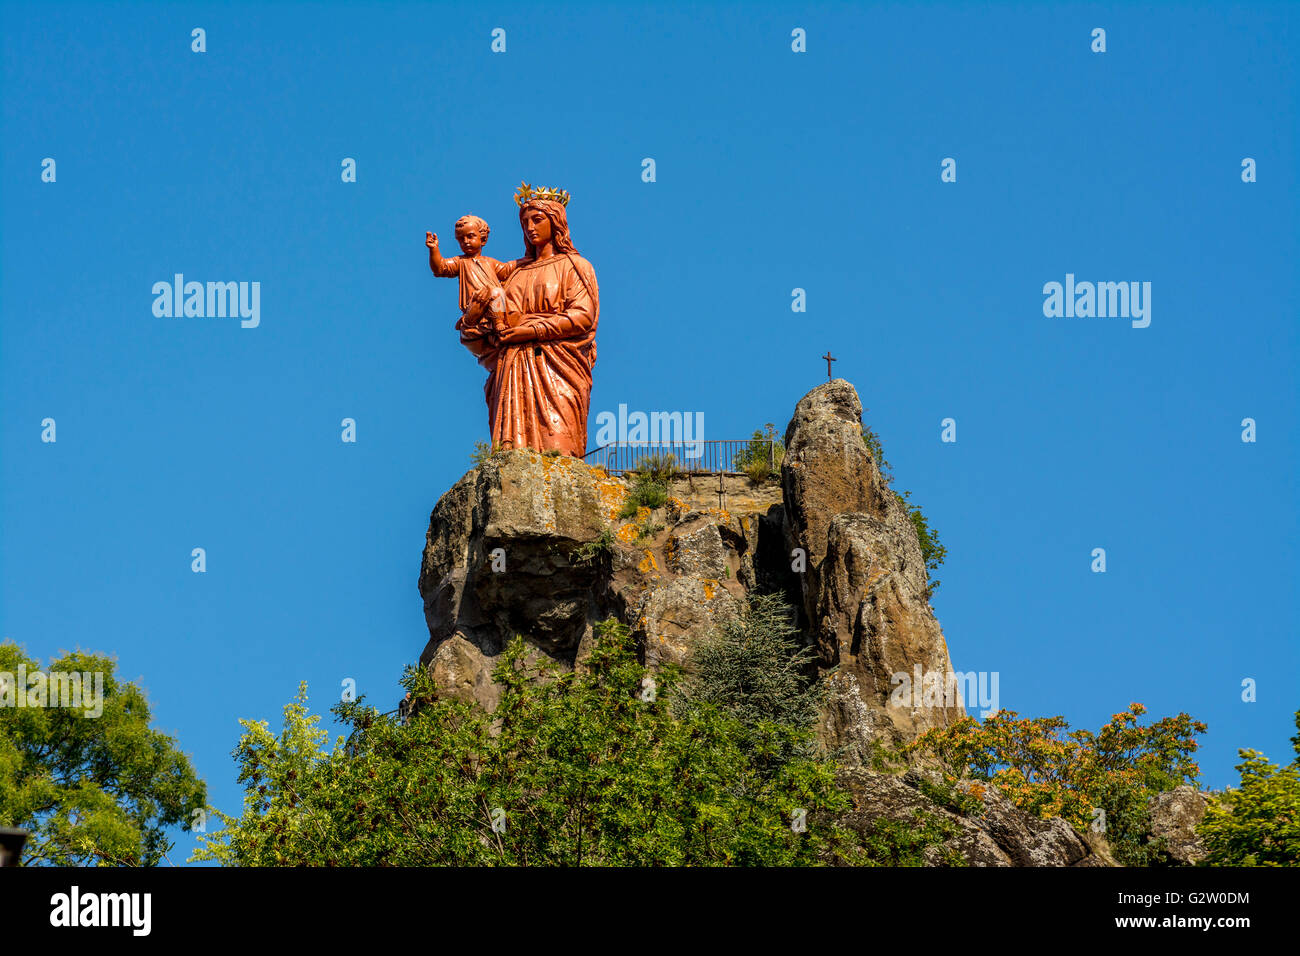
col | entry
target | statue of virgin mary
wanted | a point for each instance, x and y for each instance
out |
(536, 334)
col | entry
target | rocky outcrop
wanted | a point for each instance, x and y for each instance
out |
(533, 544)
(986, 829)
(497, 563)
(1175, 815)
(865, 589)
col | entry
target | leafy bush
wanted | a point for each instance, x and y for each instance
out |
(594, 550)
(1258, 823)
(482, 452)
(950, 796)
(932, 551)
(872, 441)
(903, 843)
(1048, 771)
(762, 457)
(580, 767)
(646, 492)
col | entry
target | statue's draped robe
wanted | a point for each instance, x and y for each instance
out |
(474, 273)
(538, 392)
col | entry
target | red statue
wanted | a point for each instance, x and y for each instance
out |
(535, 333)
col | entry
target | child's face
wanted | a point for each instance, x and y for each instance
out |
(471, 241)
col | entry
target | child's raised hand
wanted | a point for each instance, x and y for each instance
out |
(431, 240)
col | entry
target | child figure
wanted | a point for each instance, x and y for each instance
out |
(475, 271)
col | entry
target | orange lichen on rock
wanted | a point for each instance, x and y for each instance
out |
(873, 576)
(612, 494)
(648, 563)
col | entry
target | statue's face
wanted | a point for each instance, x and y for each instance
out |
(470, 239)
(537, 228)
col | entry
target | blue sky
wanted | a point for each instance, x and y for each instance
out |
(775, 170)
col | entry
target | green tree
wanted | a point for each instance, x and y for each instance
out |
(1258, 823)
(586, 767)
(754, 669)
(92, 789)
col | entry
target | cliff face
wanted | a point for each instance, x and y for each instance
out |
(515, 548)
(533, 545)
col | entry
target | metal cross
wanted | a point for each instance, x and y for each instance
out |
(829, 358)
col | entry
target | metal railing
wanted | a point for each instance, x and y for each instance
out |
(717, 456)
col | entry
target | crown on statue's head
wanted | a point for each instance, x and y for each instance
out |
(526, 192)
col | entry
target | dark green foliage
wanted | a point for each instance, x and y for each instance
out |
(949, 796)
(92, 790)
(754, 669)
(576, 768)
(931, 550)
(1258, 823)
(902, 843)
(595, 550)
(872, 441)
(1127, 811)
(647, 491)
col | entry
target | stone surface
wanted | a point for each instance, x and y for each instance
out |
(1174, 816)
(1000, 834)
